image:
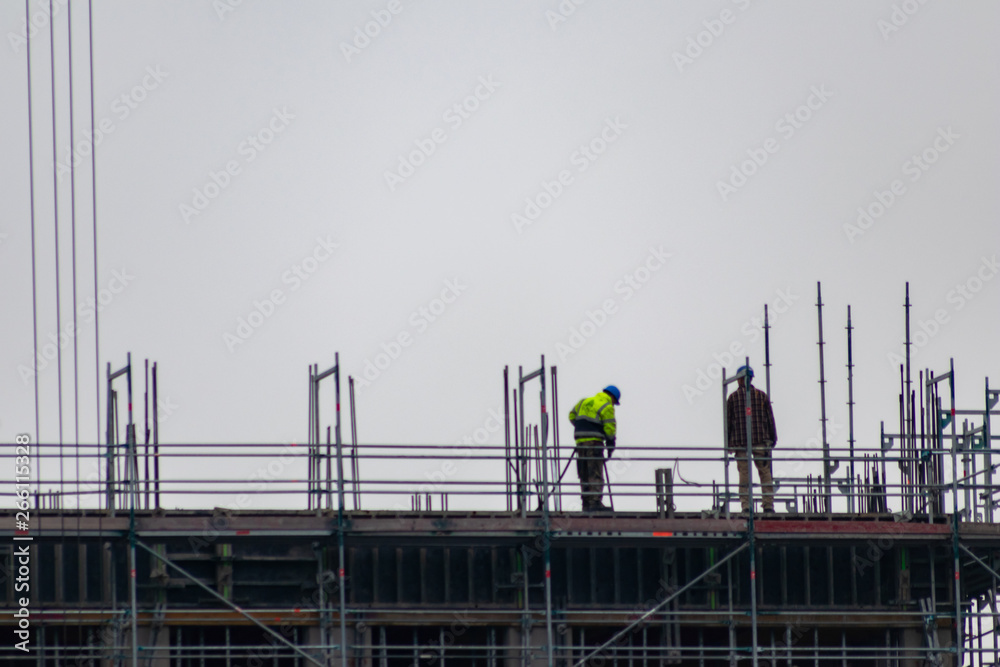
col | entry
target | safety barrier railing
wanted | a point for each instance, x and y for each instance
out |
(403, 477)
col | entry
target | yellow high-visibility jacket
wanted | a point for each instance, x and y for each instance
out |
(594, 419)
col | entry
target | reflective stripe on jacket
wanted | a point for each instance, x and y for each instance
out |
(594, 418)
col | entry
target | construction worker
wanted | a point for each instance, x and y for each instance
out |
(764, 435)
(594, 425)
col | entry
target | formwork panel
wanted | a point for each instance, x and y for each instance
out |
(458, 576)
(386, 576)
(649, 573)
(605, 575)
(409, 574)
(482, 575)
(434, 575)
(628, 571)
(361, 578)
(580, 578)
(44, 556)
(844, 584)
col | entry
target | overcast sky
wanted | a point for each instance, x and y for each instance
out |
(438, 189)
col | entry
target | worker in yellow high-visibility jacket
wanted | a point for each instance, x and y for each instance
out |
(594, 425)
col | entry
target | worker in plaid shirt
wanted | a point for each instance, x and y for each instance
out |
(764, 435)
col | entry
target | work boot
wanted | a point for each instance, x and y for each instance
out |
(598, 507)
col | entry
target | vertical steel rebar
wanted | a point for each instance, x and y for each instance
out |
(908, 417)
(311, 474)
(850, 410)
(557, 463)
(725, 443)
(827, 498)
(516, 456)
(548, 528)
(109, 462)
(903, 455)
(355, 453)
(132, 470)
(750, 517)
(508, 480)
(987, 451)
(145, 416)
(956, 517)
(342, 571)
(767, 354)
(523, 466)
(156, 441)
(924, 468)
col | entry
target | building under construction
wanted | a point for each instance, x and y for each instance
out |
(885, 555)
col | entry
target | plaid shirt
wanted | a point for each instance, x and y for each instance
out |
(761, 419)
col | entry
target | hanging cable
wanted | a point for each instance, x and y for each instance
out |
(93, 199)
(55, 217)
(72, 200)
(76, 365)
(31, 185)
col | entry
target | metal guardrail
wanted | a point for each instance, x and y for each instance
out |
(461, 478)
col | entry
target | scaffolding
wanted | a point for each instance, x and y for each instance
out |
(896, 562)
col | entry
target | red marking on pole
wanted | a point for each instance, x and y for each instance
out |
(753, 574)
(341, 572)
(130, 407)
(953, 412)
(748, 411)
(543, 408)
(548, 574)
(663, 534)
(956, 576)
(338, 407)
(132, 572)
(242, 532)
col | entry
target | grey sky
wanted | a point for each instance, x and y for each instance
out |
(714, 150)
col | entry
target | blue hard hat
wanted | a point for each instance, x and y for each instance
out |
(615, 394)
(747, 369)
